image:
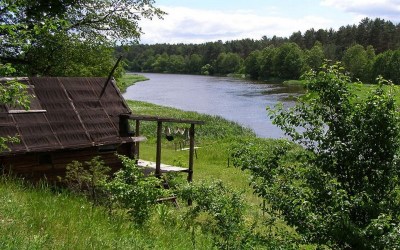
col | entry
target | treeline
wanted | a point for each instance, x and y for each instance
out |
(367, 50)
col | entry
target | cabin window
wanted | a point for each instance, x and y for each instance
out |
(45, 159)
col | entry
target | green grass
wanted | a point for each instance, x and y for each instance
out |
(129, 79)
(38, 218)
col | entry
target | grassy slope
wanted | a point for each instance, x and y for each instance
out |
(37, 218)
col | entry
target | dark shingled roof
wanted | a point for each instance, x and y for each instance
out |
(72, 117)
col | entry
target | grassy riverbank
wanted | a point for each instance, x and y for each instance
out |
(38, 218)
(129, 79)
(41, 218)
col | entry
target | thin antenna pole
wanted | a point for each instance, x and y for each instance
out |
(109, 77)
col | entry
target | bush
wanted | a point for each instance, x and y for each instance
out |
(342, 188)
(132, 190)
(89, 178)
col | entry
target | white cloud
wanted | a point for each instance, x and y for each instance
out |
(387, 9)
(186, 25)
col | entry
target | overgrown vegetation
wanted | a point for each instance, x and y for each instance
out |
(341, 188)
(68, 220)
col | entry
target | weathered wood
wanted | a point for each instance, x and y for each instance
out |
(137, 145)
(17, 111)
(161, 119)
(158, 152)
(191, 153)
(164, 168)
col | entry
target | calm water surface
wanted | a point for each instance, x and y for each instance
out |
(237, 100)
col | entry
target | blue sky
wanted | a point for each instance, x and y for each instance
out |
(198, 21)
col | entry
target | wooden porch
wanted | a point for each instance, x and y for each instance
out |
(157, 166)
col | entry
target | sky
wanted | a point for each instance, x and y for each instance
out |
(199, 21)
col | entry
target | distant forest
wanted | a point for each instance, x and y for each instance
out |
(367, 50)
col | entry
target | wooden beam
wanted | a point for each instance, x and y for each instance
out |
(18, 111)
(158, 152)
(137, 133)
(191, 153)
(161, 119)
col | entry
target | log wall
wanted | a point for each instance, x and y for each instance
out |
(52, 165)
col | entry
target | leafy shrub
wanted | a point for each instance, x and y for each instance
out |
(224, 209)
(134, 191)
(342, 188)
(89, 178)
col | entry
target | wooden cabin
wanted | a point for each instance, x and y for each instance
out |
(73, 118)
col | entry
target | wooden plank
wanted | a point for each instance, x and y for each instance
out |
(164, 168)
(16, 111)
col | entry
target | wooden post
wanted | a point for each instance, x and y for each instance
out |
(158, 152)
(191, 153)
(137, 134)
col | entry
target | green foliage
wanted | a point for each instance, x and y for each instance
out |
(207, 70)
(359, 62)
(14, 95)
(316, 45)
(288, 61)
(225, 210)
(227, 63)
(315, 56)
(132, 190)
(267, 62)
(89, 178)
(251, 64)
(342, 188)
(38, 217)
(67, 37)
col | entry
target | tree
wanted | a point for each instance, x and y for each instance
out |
(356, 60)
(394, 67)
(251, 64)
(161, 62)
(194, 64)
(227, 63)
(267, 62)
(31, 29)
(289, 61)
(315, 56)
(381, 65)
(341, 187)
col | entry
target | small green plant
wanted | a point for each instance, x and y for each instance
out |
(132, 190)
(89, 178)
(223, 209)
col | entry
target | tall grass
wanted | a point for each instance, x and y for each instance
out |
(39, 218)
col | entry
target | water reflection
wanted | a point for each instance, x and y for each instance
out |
(238, 100)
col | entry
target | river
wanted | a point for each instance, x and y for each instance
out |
(238, 100)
